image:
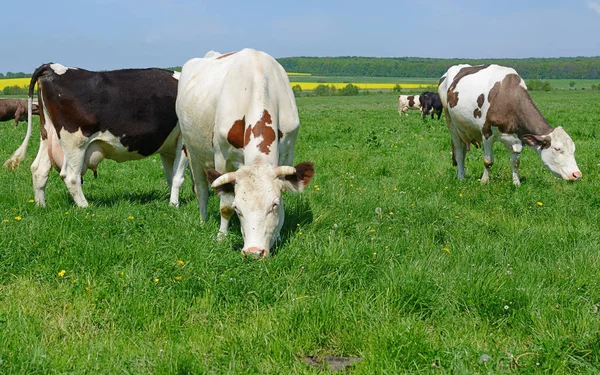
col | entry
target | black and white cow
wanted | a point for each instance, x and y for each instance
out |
(406, 102)
(88, 116)
(489, 103)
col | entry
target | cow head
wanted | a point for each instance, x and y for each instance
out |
(557, 151)
(258, 202)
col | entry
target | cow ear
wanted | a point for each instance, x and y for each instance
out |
(212, 175)
(535, 141)
(298, 181)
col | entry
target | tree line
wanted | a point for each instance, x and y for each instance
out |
(534, 68)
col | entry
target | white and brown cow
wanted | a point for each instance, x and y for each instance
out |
(238, 115)
(489, 103)
(88, 116)
(406, 102)
(15, 109)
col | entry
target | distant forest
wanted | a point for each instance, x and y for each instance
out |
(530, 68)
(419, 67)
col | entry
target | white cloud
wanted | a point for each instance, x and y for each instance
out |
(594, 5)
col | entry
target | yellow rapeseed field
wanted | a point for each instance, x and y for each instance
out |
(364, 86)
(21, 82)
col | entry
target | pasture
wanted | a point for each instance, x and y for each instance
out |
(386, 256)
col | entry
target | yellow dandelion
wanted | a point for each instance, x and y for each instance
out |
(177, 278)
(180, 262)
(130, 217)
(74, 281)
(31, 201)
(395, 188)
(88, 288)
(66, 212)
(446, 250)
(299, 232)
(391, 213)
(18, 218)
(540, 204)
(155, 280)
(371, 230)
(316, 186)
(121, 273)
(61, 273)
(390, 228)
(5, 220)
(457, 217)
(351, 185)
(460, 195)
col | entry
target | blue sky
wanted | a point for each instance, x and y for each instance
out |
(113, 34)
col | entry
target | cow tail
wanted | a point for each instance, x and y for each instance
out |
(18, 156)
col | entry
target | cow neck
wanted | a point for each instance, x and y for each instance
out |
(530, 120)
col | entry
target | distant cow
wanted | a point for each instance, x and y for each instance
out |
(15, 109)
(406, 102)
(87, 116)
(431, 104)
(238, 115)
(489, 103)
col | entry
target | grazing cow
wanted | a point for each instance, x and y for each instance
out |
(238, 114)
(88, 116)
(431, 104)
(489, 103)
(15, 109)
(406, 102)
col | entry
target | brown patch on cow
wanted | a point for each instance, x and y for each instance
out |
(304, 173)
(227, 212)
(477, 113)
(441, 80)
(468, 70)
(43, 133)
(236, 134)
(512, 111)
(411, 101)
(225, 55)
(480, 100)
(261, 128)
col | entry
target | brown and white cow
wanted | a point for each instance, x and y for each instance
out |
(406, 102)
(88, 116)
(15, 109)
(238, 114)
(489, 103)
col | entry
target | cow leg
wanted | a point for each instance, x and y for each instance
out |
(515, 161)
(180, 165)
(167, 163)
(40, 169)
(200, 187)
(488, 158)
(71, 174)
(460, 151)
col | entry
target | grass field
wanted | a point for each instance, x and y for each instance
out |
(386, 256)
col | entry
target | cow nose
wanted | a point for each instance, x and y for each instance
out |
(255, 252)
(576, 175)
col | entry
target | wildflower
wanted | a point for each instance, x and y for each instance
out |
(177, 278)
(446, 250)
(31, 201)
(460, 195)
(74, 281)
(391, 213)
(540, 204)
(61, 273)
(457, 217)
(316, 187)
(88, 288)
(121, 273)
(378, 210)
(505, 307)
(374, 256)
(66, 212)
(371, 230)
(299, 232)
(180, 262)
(390, 228)
(18, 218)
(155, 280)
(130, 217)
(395, 188)
(5, 220)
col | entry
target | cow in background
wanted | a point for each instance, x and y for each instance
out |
(431, 104)
(88, 116)
(406, 102)
(489, 103)
(15, 109)
(238, 115)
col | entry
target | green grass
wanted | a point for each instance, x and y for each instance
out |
(451, 274)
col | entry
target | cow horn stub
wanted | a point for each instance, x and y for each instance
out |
(284, 170)
(223, 179)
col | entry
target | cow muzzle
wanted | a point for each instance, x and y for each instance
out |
(575, 176)
(255, 252)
